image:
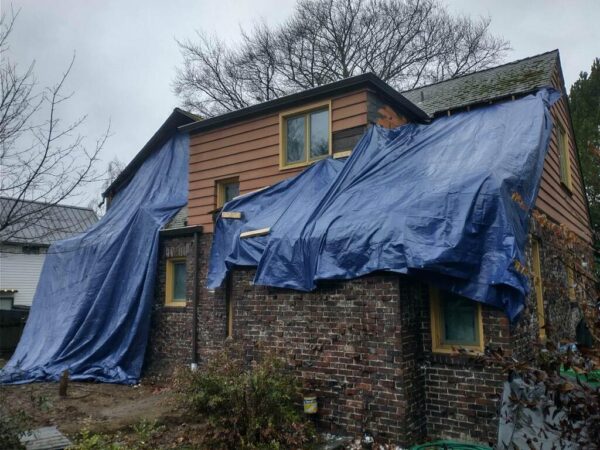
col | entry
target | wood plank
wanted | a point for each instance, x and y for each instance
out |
(255, 233)
(231, 215)
(235, 129)
(240, 159)
(348, 111)
(244, 147)
(349, 122)
(200, 171)
(271, 130)
(349, 99)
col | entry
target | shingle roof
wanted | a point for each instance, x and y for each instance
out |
(179, 220)
(515, 78)
(44, 223)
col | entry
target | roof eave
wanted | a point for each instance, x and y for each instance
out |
(367, 80)
(176, 119)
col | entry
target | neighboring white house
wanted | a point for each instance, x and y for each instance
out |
(23, 249)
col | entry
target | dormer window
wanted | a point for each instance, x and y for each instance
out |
(305, 135)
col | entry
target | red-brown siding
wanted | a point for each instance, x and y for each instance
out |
(554, 199)
(250, 150)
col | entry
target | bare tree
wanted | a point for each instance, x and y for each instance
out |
(406, 43)
(113, 170)
(43, 161)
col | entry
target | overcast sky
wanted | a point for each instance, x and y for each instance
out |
(126, 52)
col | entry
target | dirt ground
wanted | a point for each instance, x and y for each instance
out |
(113, 410)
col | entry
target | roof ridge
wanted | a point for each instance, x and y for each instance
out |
(48, 204)
(516, 61)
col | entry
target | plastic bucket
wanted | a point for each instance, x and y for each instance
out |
(310, 405)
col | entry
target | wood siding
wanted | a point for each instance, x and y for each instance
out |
(20, 271)
(250, 150)
(554, 199)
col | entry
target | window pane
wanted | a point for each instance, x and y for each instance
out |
(179, 278)
(6, 303)
(295, 140)
(460, 320)
(319, 133)
(231, 190)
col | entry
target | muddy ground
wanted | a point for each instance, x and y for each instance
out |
(117, 411)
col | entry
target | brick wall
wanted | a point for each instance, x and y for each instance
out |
(170, 338)
(462, 395)
(363, 346)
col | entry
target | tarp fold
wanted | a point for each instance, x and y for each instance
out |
(91, 310)
(447, 202)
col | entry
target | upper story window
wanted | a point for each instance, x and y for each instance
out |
(305, 135)
(176, 282)
(565, 161)
(455, 322)
(227, 190)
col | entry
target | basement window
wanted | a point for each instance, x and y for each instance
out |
(455, 322)
(539, 288)
(176, 282)
(565, 161)
(305, 135)
(227, 190)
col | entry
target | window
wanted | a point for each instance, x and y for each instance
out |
(6, 303)
(176, 282)
(455, 322)
(565, 162)
(305, 135)
(227, 190)
(571, 284)
(539, 290)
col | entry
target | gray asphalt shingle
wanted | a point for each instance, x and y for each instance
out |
(515, 78)
(43, 223)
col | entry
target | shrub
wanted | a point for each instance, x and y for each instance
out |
(247, 409)
(12, 425)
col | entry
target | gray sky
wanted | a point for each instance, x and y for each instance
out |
(126, 52)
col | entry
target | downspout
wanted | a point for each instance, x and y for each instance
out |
(195, 294)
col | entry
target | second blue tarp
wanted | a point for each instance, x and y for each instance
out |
(447, 202)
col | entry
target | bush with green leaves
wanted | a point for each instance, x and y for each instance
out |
(247, 408)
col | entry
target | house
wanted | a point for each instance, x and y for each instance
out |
(374, 349)
(23, 248)
(22, 253)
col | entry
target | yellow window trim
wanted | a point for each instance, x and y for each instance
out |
(539, 288)
(564, 157)
(169, 300)
(220, 188)
(305, 110)
(437, 324)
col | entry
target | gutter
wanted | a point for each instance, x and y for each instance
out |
(367, 80)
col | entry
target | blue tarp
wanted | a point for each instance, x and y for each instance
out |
(91, 310)
(436, 201)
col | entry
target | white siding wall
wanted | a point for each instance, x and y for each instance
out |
(20, 271)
